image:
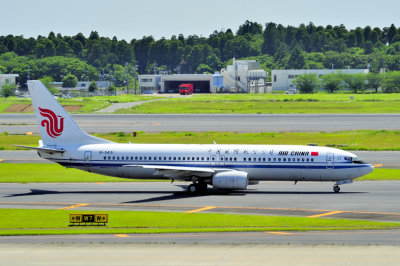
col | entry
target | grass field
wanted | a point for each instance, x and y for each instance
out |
(377, 140)
(89, 104)
(48, 222)
(274, 104)
(42, 173)
(53, 173)
(239, 103)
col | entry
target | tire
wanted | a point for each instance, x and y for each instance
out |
(336, 189)
(192, 189)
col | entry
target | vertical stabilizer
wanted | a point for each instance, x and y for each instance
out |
(55, 125)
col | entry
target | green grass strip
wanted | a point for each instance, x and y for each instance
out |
(50, 173)
(377, 140)
(54, 173)
(48, 222)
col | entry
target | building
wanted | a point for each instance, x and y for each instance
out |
(202, 83)
(149, 83)
(244, 76)
(283, 79)
(8, 78)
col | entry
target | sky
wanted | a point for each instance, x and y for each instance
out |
(133, 19)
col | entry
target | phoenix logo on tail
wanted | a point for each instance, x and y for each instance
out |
(54, 124)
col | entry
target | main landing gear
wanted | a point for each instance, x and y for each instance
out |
(197, 188)
(336, 188)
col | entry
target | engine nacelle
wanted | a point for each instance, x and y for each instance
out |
(230, 180)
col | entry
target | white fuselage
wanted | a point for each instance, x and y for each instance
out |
(261, 162)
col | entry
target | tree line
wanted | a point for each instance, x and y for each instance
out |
(275, 46)
(373, 82)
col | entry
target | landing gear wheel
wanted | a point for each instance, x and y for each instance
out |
(336, 189)
(192, 189)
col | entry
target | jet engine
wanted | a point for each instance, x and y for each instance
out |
(230, 180)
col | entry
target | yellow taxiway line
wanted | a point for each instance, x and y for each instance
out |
(74, 206)
(325, 214)
(201, 209)
(121, 235)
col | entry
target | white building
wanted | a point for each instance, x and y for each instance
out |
(244, 76)
(283, 79)
(7, 78)
(149, 83)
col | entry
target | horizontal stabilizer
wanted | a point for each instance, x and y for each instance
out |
(48, 150)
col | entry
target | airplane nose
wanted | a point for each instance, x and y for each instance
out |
(368, 169)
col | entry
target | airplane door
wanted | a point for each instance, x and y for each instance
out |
(88, 158)
(330, 161)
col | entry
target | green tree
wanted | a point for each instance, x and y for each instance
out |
(93, 86)
(203, 68)
(355, 82)
(69, 81)
(307, 83)
(391, 83)
(8, 89)
(296, 59)
(332, 82)
(374, 81)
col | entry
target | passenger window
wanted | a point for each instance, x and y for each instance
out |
(136, 158)
(131, 158)
(169, 158)
(274, 159)
(183, 158)
(244, 159)
(113, 157)
(109, 157)
(104, 157)
(140, 158)
(294, 159)
(118, 158)
(192, 158)
(279, 159)
(159, 158)
(202, 158)
(145, 158)
(284, 159)
(308, 159)
(208, 158)
(269, 159)
(263, 159)
(312, 160)
(179, 158)
(298, 159)
(165, 158)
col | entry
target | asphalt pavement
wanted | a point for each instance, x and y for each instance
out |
(22, 123)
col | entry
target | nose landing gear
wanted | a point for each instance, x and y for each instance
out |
(336, 188)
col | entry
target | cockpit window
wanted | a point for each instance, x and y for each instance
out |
(356, 160)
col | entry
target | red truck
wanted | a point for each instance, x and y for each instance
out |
(186, 89)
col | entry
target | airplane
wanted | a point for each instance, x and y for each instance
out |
(225, 167)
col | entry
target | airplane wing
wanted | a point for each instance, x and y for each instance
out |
(179, 171)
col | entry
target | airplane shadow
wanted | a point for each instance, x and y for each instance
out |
(170, 195)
